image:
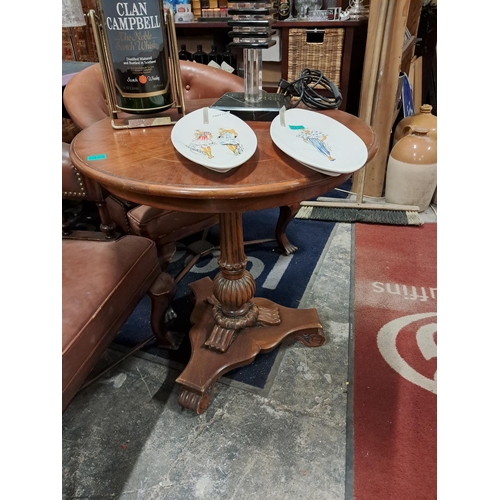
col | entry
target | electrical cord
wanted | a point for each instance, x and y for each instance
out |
(304, 90)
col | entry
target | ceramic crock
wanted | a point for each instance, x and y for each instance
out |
(411, 177)
(424, 119)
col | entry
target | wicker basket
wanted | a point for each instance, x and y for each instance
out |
(324, 53)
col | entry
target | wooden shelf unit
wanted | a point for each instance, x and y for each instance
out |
(351, 71)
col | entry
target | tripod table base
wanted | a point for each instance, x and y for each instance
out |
(206, 365)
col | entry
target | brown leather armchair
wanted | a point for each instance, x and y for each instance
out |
(85, 101)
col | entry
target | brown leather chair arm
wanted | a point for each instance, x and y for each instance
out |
(84, 97)
(72, 183)
(200, 81)
(85, 100)
(76, 185)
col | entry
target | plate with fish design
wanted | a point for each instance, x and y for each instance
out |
(214, 139)
(319, 142)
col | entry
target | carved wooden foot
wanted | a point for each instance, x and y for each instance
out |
(195, 402)
(221, 338)
(287, 213)
(226, 328)
(269, 316)
(206, 365)
(161, 293)
(316, 339)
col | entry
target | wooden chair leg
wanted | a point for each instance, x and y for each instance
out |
(66, 226)
(162, 293)
(107, 226)
(165, 254)
(287, 213)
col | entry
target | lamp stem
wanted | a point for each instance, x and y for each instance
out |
(252, 61)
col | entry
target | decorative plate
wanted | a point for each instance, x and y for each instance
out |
(326, 172)
(319, 142)
(215, 139)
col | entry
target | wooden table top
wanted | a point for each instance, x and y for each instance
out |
(142, 166)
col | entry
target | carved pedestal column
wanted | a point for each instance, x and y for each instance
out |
(230, 326)
(234, 288)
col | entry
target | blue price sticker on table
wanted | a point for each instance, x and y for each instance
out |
(96, 157)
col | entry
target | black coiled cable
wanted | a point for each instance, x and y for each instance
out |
(305, 89)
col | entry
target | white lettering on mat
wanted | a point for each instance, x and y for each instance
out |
(408, 292)
(386, 342)
(277, 272)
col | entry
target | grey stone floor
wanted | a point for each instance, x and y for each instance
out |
(126, 436)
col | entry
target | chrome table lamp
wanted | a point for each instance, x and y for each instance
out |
(252, 30)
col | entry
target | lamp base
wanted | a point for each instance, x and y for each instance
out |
(264, 110)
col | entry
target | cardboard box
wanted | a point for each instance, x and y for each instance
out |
(271, 73)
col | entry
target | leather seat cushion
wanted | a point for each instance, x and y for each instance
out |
(103, 281)
(167, 225)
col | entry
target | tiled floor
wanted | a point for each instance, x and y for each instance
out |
(126, 436)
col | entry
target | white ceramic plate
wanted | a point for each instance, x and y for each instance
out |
(319, 142)
(225, 142)
(331, 174)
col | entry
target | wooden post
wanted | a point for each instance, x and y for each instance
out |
(385, 96)
(374, 37)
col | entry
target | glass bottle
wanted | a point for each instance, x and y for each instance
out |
(199, 56)
(215, 55)
(230, 59)
(140, 72)
(284, 9)
(184, 55)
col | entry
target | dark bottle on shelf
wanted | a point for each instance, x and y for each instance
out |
(184, 55)
(140, 73)
(215, 55)
(284, 9)
(229, 58)
(199, 56)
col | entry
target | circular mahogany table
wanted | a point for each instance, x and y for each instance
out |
(230, 325)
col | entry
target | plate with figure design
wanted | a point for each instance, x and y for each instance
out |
(214, 139)
(318, 142)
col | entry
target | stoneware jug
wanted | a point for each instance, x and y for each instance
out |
(424, 119)
(411, 177)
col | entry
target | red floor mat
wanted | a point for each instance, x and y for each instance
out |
(395, 361)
